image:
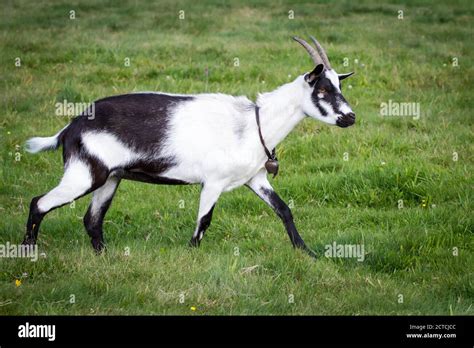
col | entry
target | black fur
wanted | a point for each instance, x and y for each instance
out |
(204, 223)
(321, 109)
(150, 178)
(138, 120)
(312, 77)
(33, 224)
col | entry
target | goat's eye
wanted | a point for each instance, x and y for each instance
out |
(322, 90)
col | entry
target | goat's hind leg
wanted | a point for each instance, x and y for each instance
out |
(34, 220)
(94, 218)
(78, 180)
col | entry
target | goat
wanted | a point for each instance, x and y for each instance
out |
(216, 140)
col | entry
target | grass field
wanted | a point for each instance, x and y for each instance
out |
(399, 186)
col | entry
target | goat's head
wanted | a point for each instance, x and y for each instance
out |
(323, 98)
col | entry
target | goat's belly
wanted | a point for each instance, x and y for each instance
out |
(191, 175)
(229, 170)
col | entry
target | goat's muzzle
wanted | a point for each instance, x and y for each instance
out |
(346, 120)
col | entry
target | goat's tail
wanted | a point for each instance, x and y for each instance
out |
(38, 144)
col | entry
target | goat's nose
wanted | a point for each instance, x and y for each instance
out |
(346, 120)
(350, 118)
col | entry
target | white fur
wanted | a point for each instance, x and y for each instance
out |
(75, 182)
(103, 194)
(334, 78)
(344, 108)
(209, 195)
(38, 144)
(204, 141)
(111, 151)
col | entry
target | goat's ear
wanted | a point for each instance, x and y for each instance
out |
(345, 76)
(313, 75)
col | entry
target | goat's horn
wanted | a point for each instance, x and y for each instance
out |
(312, 52)
(322, 52)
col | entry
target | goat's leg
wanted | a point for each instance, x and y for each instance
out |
(94, 218)
(76, 182)
(262, 188)
(33, 224)
(209, 195)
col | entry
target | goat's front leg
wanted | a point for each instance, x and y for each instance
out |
(209, 195)
(262, 188)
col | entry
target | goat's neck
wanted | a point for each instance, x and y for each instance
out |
(280, 111)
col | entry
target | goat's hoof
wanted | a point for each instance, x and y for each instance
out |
(98, 245)
(307, 250)
(28, 241)
(311, 253)
(194, 243)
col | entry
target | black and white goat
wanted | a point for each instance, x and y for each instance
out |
(216, 140)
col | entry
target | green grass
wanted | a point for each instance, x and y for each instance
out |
(409, 250)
